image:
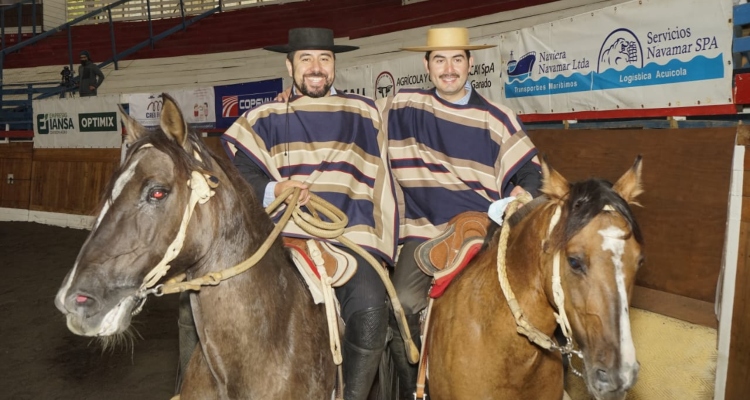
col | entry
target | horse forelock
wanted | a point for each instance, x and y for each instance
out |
(585, 201)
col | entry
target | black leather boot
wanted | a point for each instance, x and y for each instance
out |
(407, 372)
(364, 342)
(188, 337)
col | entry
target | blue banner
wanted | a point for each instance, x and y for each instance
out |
(233, 100)
(675, 71)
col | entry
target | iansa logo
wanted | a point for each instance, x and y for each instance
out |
(54, 123)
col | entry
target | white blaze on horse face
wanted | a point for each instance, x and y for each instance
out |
(612, 240)
(122, 180)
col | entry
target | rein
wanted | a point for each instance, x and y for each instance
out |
(523, 326)
(201, 186)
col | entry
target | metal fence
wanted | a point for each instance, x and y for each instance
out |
(138, 10)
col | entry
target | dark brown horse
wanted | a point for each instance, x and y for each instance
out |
(261, 335)
(475, 351)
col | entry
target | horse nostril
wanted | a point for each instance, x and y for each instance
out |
(602, 376)
(80, 302)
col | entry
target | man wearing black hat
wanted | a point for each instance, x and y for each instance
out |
(329, 143)
(90, 77)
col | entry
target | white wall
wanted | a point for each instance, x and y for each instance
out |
(54, 13)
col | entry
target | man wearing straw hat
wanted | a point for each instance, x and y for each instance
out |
(451, 151)
(329, 143)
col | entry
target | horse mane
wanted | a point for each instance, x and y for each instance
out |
(207, 164)
(514, 219)
(584, 202)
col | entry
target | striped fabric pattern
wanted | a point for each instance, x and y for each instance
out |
(335, 145)
(451, 158)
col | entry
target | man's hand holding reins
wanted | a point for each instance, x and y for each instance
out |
(304, 194)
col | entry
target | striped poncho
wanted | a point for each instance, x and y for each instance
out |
(334, 144)
(451, 158)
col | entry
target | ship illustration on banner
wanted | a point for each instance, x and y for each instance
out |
(521, 69)
(675, 55)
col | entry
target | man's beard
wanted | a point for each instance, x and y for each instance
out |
(322, 92)
(84, 62)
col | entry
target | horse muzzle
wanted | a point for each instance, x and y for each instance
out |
(612, 384)
(89, 316)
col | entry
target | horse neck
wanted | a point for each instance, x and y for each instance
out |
(238, 227)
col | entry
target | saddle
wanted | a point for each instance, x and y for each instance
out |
(315, 258)
(444, 256)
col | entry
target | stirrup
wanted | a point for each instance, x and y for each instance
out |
(424, 396)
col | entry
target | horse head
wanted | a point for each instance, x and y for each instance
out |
(144, 222)
(597, 243)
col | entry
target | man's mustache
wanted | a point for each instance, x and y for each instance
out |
(315, 75)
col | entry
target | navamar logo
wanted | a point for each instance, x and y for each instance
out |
(53, 123)
(671, 55)
(98, 122)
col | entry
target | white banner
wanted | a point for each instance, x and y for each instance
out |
(382, 79)
(91, 122)
(197, 106)
(636, 55)
(144, 107)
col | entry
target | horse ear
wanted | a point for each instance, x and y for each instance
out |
(133, 129)
(554, 185)
(172, 122)
(629, 185)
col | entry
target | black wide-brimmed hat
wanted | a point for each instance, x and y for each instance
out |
(310, 39)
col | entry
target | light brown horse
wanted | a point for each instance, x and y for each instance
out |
(261, 335)
(475, 351)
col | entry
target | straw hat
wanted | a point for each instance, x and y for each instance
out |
(448, 39)
(310, 39)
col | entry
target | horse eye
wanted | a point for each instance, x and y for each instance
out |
(576, 264)
(157, 194)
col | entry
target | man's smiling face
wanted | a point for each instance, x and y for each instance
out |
(449, 70)
(313, 71)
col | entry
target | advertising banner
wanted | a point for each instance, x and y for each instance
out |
(382, 79)
(144, 107)
(233, 100)
(197, 106)
(636, 55)
(89, 122)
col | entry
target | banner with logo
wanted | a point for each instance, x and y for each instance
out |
(640, 54)
(197, 106)
(90, 122)
(233, 100)
(385, 78)
(144, 107)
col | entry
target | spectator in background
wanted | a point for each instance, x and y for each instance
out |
(89, 76)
